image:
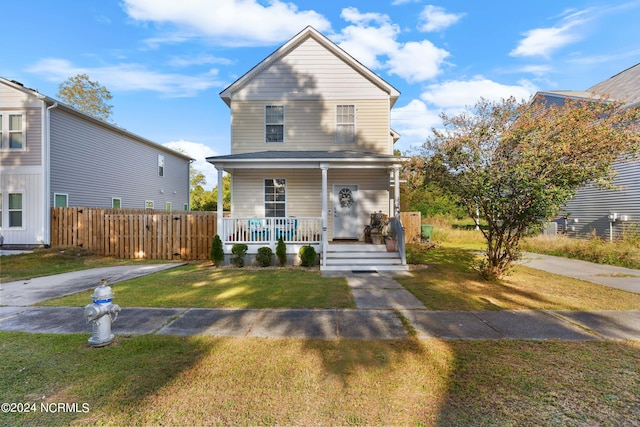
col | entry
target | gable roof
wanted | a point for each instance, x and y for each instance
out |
(624, 86)
(309, 32)
(59, 104)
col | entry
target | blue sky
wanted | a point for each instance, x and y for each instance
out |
(166, 61)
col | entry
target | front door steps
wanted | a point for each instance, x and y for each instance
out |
(362, 257)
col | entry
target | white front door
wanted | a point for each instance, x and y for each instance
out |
(346, 224)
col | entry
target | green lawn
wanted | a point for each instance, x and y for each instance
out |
(200, 285)
(166, 380)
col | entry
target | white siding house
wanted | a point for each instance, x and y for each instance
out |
(53, 155)
(311, 149)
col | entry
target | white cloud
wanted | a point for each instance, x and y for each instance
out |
(457, 94)
(413, 122)
(199, 152)
(434, 18)
(229, 22)
(198, 60)
(544, 41)
(372, 40)
(129, 77)
(417, 61)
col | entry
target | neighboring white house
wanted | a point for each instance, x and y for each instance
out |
(606, 212)
(54, 155)
(311, 153)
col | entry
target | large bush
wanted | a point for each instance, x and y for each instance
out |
(281, 252)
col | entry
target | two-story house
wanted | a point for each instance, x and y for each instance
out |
(311, 155)
(54, 155)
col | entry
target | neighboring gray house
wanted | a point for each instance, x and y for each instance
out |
(606, 212)
(54, 155)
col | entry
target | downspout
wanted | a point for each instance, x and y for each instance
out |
(46, 173)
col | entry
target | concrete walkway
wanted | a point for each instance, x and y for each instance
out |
(608, 275)
(384, 307)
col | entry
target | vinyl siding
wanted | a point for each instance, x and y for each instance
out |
(32, 231)
(304, 191)
(93, 164)
(591, 206)
(311, 125)
(12, 100)
(309, 71)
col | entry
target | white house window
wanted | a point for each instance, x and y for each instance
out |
(275, 198)
(168, 206)
(116, 202)
(148, 204)
(345, 124)
(274, 123)
(15, 209)
(185, 207)
(60, 200)
(160, 165)
(12, 131)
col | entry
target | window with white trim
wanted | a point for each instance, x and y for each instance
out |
(15, 209)
(275, 197)
(60, 200)
(116, 202)
(12, 131)
(345, 124)
(148, 204)
(274, 123)
(168, 206)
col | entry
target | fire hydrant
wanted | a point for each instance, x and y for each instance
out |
(101, 313)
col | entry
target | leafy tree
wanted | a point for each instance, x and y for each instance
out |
(518, 163)
(86, 96)
(226, 193)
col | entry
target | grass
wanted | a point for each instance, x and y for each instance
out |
(164, 380)
(622, 252)
(450, 283)
(44, 262)
(199, 285)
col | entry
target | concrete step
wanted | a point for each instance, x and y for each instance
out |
(356, 248)
(366, 255)
(356, 261)
(364, 268)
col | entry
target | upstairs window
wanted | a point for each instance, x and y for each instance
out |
(274, 123)
(160, 165)
(345, 124)
(275, 198)
(12, 131)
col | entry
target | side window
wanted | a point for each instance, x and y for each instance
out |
(275, 198)
(148, 204)
(116, 202)
(60, 200)
(274, 123)
(12, 131)
(345, 124)
(160, 165)
(168, 206)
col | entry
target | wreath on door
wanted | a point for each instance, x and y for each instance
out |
(346, 198)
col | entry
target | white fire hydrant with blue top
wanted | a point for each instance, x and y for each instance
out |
(101, 313)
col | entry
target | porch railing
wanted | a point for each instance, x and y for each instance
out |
(269, 230)
(397, 226)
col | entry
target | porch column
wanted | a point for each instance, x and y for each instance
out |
(325, 241)
(220, 207)
(396, 190)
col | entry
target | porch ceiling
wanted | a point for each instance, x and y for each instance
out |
(305, 160)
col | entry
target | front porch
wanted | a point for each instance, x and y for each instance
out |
(297, 232)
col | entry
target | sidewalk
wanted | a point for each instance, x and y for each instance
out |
(382, 303)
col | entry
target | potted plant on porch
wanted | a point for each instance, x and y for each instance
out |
(390, 239)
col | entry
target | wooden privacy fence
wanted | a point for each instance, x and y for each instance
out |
(135, 233)
(411, 224)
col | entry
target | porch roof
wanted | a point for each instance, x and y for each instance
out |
(304, 159)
